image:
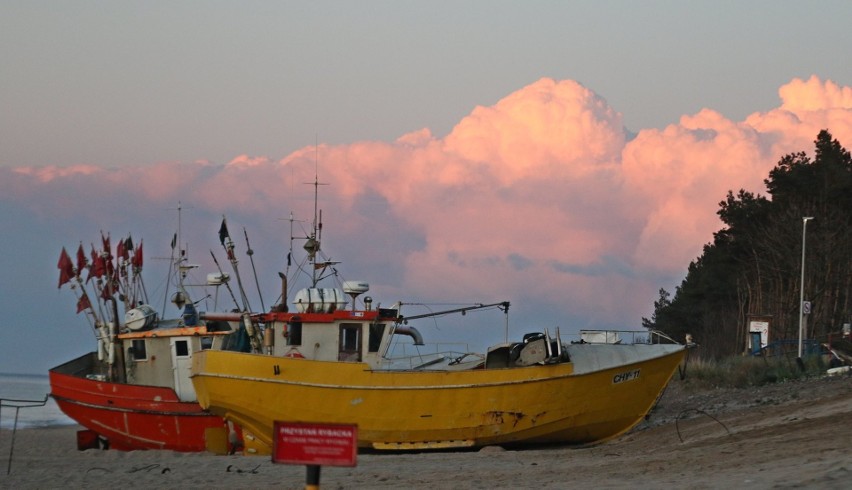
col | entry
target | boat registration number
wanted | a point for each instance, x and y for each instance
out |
(625, 376)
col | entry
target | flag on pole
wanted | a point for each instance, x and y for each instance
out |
(137, 257)
(81, 259)
(94, 263)
(98, 268)
(120, 251)
(66, 268)
(223, 232)
(83, 303)
(106, 244)
(111, 282)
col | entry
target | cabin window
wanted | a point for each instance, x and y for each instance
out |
(206, 343)
(350, 342)
(137, 350)
(377, 331)
(294, 333)
(181, 348)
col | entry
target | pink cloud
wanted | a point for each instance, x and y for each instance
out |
(548, 126)
(682, 172)
(814, 95)
(47, 174)
(540, 196)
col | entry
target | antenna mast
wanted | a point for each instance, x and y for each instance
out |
(312, 246)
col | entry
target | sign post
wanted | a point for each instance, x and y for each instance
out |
(315, 445)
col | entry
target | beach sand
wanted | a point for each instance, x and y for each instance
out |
(794, 434)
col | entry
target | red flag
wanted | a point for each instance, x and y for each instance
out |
(110, 279)
(94, 263)
(111, 283)
(98, 265)
(120, 251)
(83, 303)
(81, 260)
(107, 246)
(137, 257)
(66, 268)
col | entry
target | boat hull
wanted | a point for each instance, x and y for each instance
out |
(130, 417)
(434, 409)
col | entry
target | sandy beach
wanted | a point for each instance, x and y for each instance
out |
(794, 434)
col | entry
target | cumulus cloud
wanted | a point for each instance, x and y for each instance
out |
(548, 126)
(541, 198)
(814, 95)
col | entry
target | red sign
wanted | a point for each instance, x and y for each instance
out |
(315, 444)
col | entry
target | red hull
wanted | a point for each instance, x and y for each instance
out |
(130, 417)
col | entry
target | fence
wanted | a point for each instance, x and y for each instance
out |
(17, 405)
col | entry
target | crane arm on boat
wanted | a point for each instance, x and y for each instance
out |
(503, 305)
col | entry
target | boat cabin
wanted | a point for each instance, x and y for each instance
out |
(159, 353)
(323, 329)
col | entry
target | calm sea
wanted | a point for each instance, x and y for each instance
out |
(28, 387)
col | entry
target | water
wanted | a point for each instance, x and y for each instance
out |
(28, 387)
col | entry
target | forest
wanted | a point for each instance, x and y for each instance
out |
(753, 266)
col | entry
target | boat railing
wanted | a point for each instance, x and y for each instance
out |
(414, 356)
(622, 337)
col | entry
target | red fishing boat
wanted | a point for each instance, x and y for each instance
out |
(129, 417)
(134, 392)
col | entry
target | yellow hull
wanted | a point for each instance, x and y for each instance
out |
(431, 409)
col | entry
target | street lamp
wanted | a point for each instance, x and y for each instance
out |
(802, 287)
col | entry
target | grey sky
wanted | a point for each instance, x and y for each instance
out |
(123, 83)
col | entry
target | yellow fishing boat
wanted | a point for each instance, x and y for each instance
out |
(328, 362)
(595, 392)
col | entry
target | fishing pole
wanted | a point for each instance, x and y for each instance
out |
(250, 253)
(222, 274)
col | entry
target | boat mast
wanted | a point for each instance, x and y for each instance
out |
(173, 262)
(250, 253)
(312, 246)
(314, 237)
(177, 262)
(228, 245)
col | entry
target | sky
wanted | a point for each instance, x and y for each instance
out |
(568, 157)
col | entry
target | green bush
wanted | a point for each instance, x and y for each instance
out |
(742, 372)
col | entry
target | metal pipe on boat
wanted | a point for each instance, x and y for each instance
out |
(411, 332)
(503, 305)
(110, 349)
(254, 333)
(248, 324)
(103, 341)
(269, 339)
(283, 305)
(116, 353)
(220, 316)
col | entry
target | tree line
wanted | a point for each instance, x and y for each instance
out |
(753, 265)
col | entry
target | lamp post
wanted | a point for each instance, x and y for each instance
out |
(802, 287)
